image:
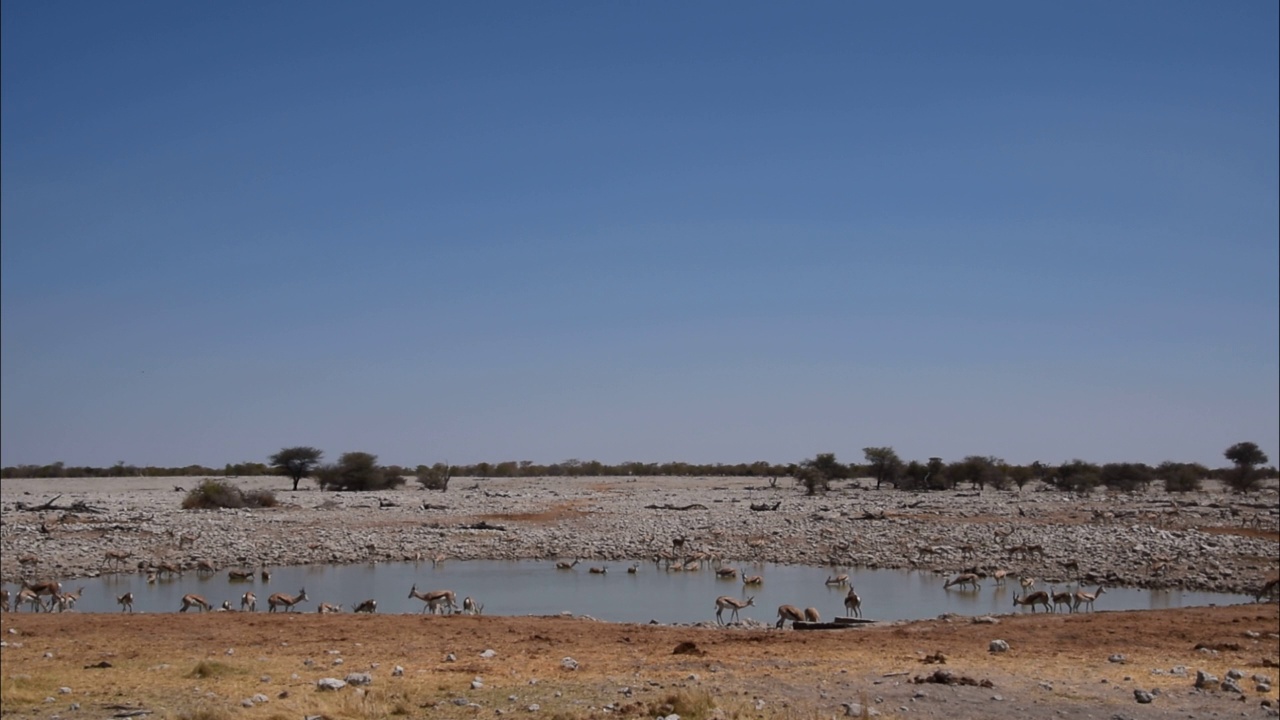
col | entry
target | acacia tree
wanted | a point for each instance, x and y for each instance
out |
(817, 473)
(1246, 456)
(296, 462)
(884, 464)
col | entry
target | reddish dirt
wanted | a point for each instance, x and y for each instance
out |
(1057, 666)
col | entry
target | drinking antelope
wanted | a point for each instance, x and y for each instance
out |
(168, 567)
(853, 604)
(841, 579)
(287, 601)
(598, 570)
(52, 588)
(470, 607)
(724, 602)
(266, 575)
(1083, 598)
(962, 580)
(753, 580)
(204, 566)
(727, 573)
(67, 601)
(239, 575)
(125, 602)
(1038, 597)
(368, 606)
(785, 613)
(31, 597)
(565, 565)
(811, 615)
(434, 599)
(191, 600)
(249, 602)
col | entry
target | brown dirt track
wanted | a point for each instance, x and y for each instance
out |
(1057, 666)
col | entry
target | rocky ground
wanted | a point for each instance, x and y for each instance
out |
(1206, 541)
(1198, 662)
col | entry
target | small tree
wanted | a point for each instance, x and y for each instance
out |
(817, 473)
(296, 462)
(1078, 476)
(1246, 456)
(1127, 477)
(884, 464)
(1180, 477)
(357, 471)
(435, 477)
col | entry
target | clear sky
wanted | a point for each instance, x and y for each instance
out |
(656, 231)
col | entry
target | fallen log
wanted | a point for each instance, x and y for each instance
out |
(669, 506)
(765, 507)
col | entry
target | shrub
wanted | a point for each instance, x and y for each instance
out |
(212, 494)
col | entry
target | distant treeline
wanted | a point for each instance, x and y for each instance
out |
(882, 465)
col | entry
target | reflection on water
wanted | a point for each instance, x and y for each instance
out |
(538, 588)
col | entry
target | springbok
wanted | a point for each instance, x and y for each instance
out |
(1268, 588)
(67, 601)
(368, 606)
(31, 597)
(841, 579)
(325, 608)
(853, 604)
(727, 573)
(962, 580)
(204, 566)
(191, 600)
(239, 575)
(116, 558)
(565, 565)
(471, 607)
(752, 580)
(249, 602)
(788, 612)
(1038, 597)
(1066, 598)
(1083, 598)
(999, 576)
(287, 601)
(125, 602)
(4, 600)
(598, 570)
(435, 599)
(635, 568)
(811, 615)
(724, 602)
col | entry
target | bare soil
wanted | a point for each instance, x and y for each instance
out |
(204, 666)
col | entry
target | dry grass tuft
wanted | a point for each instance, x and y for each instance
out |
(212, 669)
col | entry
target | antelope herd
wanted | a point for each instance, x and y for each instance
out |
(34, 594)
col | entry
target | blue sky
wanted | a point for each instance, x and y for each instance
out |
(710, 231)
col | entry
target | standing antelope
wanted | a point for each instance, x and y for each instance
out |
(853, 604)
(116, 558)
(785, 613)
(1027, 583)
(204, 566)
(999, 576)
(190, 601)
(635, 568)
(168, 567)
(470, 607)
(249, 602)
(841, 579)
(266, 575)
(1269, 587)
(1038, 597)
(368, 606)
(811, 615)
(434, 599)
(1063, 598)
(727, 573)
(962, 580)
(724, 602)
(565, 565)
(4, 600)
(598, 570)
(125, 602)
(287, 601)
(1083, 598)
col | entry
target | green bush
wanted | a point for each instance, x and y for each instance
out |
(213, 494)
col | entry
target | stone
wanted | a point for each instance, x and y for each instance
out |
(1116, 658)
(359, 679)
(1230, 685)
(1143, 697)
(330, 684)
(488, 654)
(998, 646)
(397, 671)
(1205, 680)
(569, 664)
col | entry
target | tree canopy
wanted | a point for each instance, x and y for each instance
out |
(296, 462)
